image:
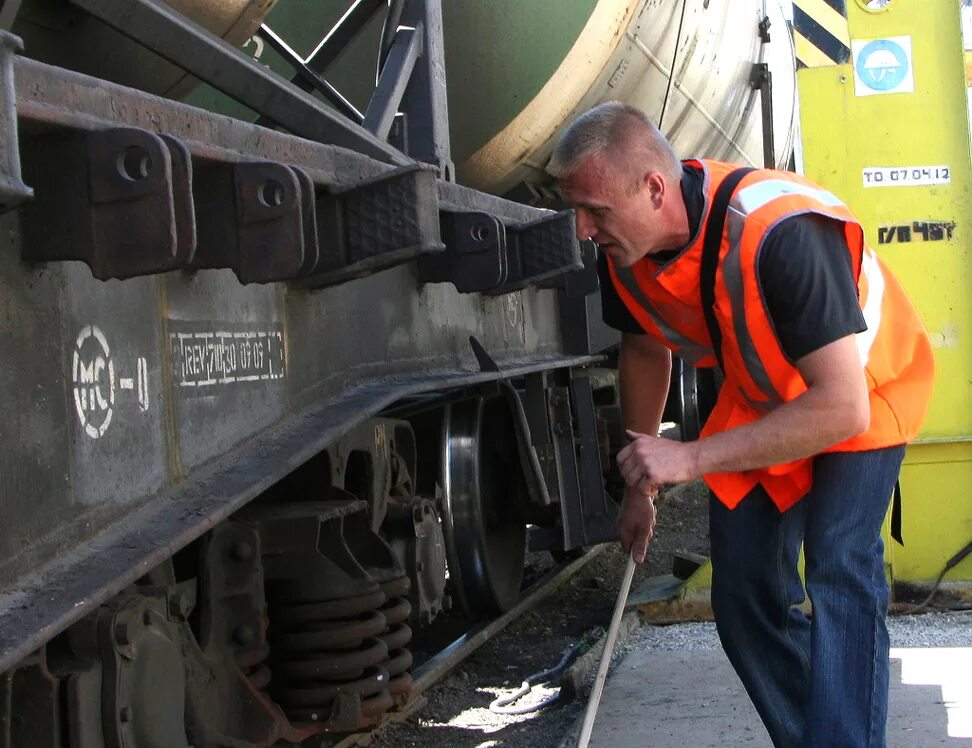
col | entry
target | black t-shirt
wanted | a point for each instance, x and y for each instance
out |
(804, 270)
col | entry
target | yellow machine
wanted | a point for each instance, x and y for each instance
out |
(887, 129)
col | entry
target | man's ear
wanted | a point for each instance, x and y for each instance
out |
(656, 186)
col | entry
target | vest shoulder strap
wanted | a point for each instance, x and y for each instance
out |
(710, 254)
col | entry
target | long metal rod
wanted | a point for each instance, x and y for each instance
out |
(170, 34)
(612, 635)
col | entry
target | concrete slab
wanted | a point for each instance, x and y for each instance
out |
(693, 699)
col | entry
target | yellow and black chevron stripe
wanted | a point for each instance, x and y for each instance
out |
(820, 32)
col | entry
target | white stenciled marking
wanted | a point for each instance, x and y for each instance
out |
(93, 373)
(906, 176)
(126, 383)
(143, 401)
(222, 357)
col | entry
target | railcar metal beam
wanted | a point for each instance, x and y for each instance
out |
(342, 34)
(305, 78)
(173, 36)
(395, 75)
(425, 103)
(51, 97)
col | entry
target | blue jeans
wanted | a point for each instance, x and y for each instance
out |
(823, 680)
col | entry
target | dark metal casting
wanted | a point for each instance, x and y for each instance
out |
(376, 224)
(117, 199)
(484, 255)
(415, 535)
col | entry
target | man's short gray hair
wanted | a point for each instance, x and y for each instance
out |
(615, 129)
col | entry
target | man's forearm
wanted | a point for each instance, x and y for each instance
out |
(803, 427)
(834, 408)
(645, 371)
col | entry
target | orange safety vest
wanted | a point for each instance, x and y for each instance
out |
(895, 350)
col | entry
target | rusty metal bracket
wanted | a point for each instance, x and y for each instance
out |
(251, 219)
(475, 258)
(115, 199)
(484, 255)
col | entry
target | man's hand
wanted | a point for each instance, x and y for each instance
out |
(636, 522)
(649, 462)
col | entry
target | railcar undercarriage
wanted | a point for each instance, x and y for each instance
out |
(271, 402)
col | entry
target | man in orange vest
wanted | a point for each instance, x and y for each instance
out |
(828, 372)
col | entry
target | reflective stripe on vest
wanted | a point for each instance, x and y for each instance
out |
(733, 278)
(692, 352)
(874, 289)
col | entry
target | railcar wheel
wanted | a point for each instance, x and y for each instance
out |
(482, 521)
(697, 392)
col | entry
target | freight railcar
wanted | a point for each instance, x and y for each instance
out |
(292, 361)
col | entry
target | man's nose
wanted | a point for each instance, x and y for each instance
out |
(585, 227)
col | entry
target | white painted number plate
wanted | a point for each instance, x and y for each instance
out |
(906, 176)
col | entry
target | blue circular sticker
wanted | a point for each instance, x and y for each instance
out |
(882, 65)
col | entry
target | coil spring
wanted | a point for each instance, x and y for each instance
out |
(338, 663)
(396, 611)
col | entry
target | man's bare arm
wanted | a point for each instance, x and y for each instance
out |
(645, 369)
(835, 407)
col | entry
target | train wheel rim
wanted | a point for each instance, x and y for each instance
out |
(485, 536)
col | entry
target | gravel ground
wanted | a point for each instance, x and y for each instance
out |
(923, 630)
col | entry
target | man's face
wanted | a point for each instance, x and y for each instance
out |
(614, 210)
